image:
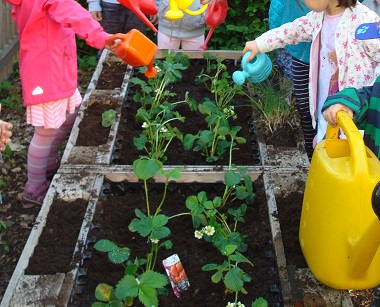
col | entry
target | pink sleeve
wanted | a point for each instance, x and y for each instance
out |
(72, 15)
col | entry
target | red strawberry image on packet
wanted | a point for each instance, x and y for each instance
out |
(176, 273)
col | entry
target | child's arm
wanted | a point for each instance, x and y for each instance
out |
(95, 9)
(330, 113)
(354, 102)
(253, 48)
(71, 14)
(299, 30)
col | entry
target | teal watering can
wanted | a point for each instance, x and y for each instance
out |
(256, 70)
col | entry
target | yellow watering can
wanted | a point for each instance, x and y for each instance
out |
(176, 8)
(340, 227)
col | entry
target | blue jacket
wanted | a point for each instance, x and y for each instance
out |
(283, 11)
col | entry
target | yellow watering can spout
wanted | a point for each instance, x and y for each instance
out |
(363, 251)
(176, 8)
(340, 226)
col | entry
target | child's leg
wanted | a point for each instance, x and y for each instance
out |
(132, 21)
(192, 43)
(301, 92)
(62, 134)
(38, 155)
(112, 17)
(166, 42)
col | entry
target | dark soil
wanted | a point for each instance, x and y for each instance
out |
(194, 122)
(289, 214)
(247, 154)
(92, 133)
(56, 244)
(176, 155)
(20, 218)
(112, 75)
(113, 215)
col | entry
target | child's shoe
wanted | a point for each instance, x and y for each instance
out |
(50, 173)
(37, 195)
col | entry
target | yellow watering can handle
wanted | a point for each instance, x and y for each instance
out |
(358, 153)
(332, 132)
(197, 12)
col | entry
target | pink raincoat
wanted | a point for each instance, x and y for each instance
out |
(48, 60)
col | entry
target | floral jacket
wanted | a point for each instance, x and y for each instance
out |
(358, 60)
(283, 11)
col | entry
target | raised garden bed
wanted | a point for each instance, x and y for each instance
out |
(94, 175)
(102, 95)
(194, 253)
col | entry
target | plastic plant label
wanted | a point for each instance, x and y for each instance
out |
(368, 31)
(176, 274)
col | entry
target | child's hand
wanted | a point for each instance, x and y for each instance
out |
(205, 1)
(111, 45)
(330, 113)
(97, 15)
(251, 46)
(5, 133)
(153, 19)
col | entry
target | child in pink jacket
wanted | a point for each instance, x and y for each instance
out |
(48, 71)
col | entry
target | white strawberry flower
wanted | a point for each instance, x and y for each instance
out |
(209, 230)
(198, 234)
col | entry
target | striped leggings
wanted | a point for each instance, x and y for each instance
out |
(300, 72)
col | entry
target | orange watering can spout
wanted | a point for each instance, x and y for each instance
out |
(142, 8)
(150, 72)
(136, 50)
(215, 15)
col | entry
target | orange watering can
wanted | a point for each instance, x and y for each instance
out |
(215, 15)
(136, 50)
(340, 227)
(142, 8)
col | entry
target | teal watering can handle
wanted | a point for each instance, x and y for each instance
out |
(358, 154)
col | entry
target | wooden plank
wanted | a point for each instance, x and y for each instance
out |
(278, 244)
(118, 173)
(8, 54)
(198, 54)
(8, 41)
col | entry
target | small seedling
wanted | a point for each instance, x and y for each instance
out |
(108, 118)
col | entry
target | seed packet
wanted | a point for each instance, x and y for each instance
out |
(176, 274)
